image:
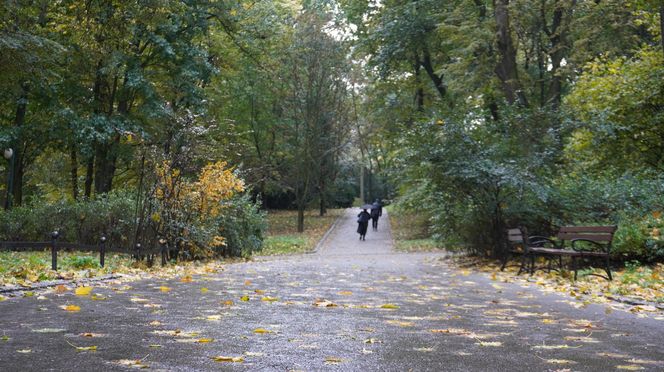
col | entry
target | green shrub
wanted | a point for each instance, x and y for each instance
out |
(242, 225)
(81, 262)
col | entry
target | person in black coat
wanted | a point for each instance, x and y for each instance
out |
(363, 223)
(376, 213)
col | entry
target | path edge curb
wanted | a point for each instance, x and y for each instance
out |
(325, 236)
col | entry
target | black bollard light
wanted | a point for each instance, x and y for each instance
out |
(163, 243)
(54, 249)
(102, 250)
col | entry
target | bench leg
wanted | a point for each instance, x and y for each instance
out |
(522, 268)
(574, 266)
(608, 269)
(507, 257)
(532, 264)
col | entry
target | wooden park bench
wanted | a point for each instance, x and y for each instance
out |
(577, 242)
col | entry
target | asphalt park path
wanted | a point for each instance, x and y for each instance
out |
(354, 305)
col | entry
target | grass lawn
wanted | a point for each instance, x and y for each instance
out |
(411, 233)
(24, 268)
(282, 236)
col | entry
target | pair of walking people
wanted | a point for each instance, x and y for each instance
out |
(364, 217)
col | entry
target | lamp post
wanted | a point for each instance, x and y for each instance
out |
(9, 155)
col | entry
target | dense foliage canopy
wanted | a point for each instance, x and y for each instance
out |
(478, 114)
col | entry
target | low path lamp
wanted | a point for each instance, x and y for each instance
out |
(9, 155)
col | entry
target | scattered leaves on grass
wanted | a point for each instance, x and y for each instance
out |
(83, 291)
(228, 359)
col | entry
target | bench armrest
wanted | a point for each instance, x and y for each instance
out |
(539, 241)
(603, 247)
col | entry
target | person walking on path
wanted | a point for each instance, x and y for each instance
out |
(363, 223)
(376, 212)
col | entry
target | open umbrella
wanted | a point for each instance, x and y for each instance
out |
(367, 206)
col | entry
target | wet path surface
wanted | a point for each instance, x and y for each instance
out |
(354, 305)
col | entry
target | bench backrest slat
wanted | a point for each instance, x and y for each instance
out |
(595, 237)
(596, 233)
(515, 235)
(588, 229)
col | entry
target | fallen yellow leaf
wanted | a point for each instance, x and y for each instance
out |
(244, 298)
(493, 343)
(630, 367)
(269, 299)
(187, 279)
(204, 290)
(389, 306)
(333, 360)
(61, 289)
(165, 289)
(72, 308)
(228, 359)
(204, 340)
(86, 348)
(262, 331)
(559, 361)
(83, 291)
(345, 293)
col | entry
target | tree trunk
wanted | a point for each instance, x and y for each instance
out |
(506, 69)
(89, 175)
(437, 80)
(19, 148)
(323, 199)
(300, 217)
(558, 37)
(73, 161)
